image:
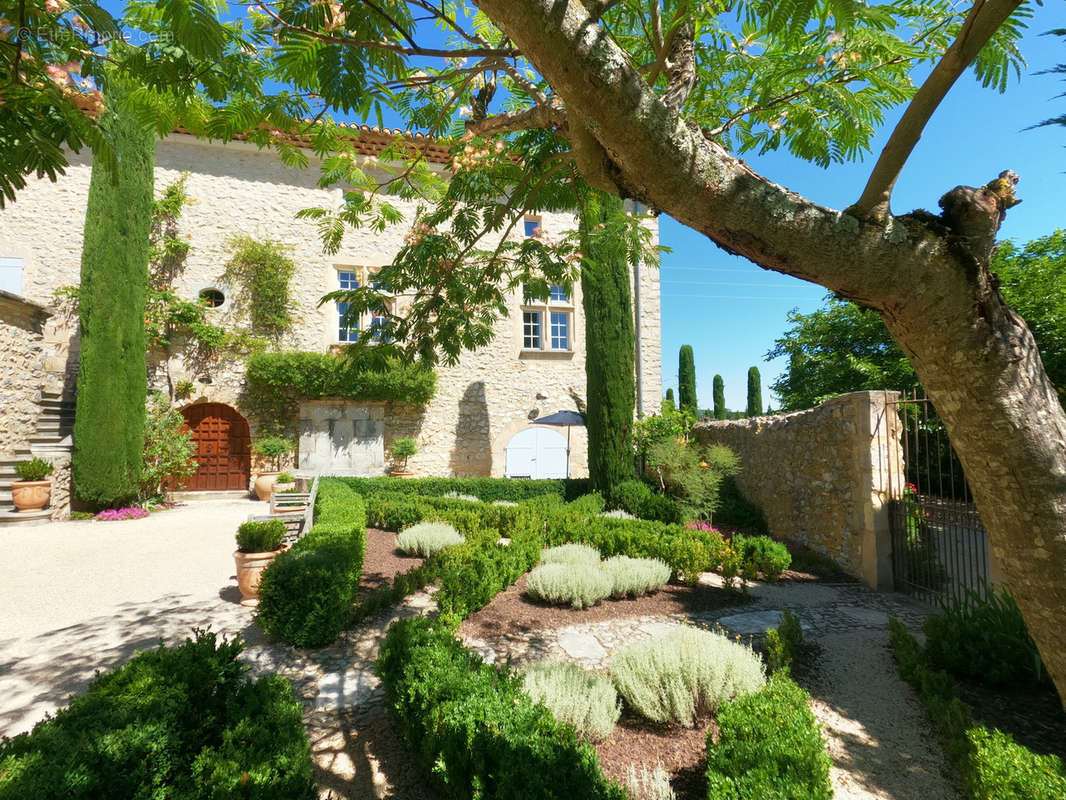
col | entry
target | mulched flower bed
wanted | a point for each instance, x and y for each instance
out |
(514, 612)
(383, 562)
(682, 752)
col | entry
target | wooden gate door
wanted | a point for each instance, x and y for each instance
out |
(223, 447)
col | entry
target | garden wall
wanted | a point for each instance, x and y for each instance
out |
(21, 369)
(821, 477)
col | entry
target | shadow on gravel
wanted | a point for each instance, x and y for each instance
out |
(359, 756)
(40, 673)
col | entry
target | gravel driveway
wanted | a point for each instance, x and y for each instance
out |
(84, 596)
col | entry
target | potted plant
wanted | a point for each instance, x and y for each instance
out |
(33, 491)
(258, 543)
(272, 447)
(284, 483)
(403, 448)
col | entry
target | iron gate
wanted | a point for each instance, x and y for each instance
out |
(939, 546)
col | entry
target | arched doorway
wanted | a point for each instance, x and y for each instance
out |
(538, 453)
(222, 445)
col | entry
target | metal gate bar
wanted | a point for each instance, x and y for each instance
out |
(939, 546)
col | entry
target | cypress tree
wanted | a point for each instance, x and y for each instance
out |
(686, 379)
(754, 393)
(109, 421)
(719, 397)
(668, 403)
(610, 383)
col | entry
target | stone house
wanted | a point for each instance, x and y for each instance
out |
(479, 422)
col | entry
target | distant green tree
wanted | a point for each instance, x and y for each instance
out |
(686, 379)
(754, 408)
(719, 398)
(843, 348)
(668, 402)
(837, 349)
(112, 385)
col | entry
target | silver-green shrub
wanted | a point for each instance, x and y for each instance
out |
(504, 503)
(649, 784)
(617, 514)
(426, 538)
(570, 554)
(458, 496)
(679, 674)
(578, 585)
(633, 577)
(579, 698)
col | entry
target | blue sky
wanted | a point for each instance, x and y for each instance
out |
(731, 311)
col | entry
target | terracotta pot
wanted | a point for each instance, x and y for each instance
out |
(30, 495)
(264, 484)
(250, 568)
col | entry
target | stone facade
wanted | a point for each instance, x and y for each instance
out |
(822, 476)
(236, 189)
(22, 372)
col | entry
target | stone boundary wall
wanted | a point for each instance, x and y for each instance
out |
(821, 477)
(21, 369)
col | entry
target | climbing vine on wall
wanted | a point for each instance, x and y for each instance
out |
(262, 269)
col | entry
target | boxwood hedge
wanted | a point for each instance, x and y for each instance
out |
(306, 594)
(474, 730)
(177, 723)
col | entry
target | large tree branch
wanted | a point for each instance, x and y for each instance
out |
(980, 25)
(661, 160)
(546, 117)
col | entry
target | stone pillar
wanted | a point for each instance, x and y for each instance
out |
(880, 461)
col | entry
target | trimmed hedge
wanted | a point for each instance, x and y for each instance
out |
(306, 594)
(277, 382)
(177, 723)
(474, 730)
(769, 748)
(993, 766)
(487, 489)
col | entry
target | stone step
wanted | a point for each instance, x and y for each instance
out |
(25, 518)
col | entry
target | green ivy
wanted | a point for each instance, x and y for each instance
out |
(262, 270)
(277, 382)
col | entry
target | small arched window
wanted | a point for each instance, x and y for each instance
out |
(212, 298)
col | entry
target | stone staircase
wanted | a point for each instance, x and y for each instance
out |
(55, 424)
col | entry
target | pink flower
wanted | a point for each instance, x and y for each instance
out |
(57, 74)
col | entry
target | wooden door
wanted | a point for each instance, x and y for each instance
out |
(223, 447)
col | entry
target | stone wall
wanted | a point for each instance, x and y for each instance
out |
(235, 189)
(22, 370)
(821, 477)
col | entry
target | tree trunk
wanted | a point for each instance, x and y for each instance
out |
(610, 383)
(981, 368)
(926, 275)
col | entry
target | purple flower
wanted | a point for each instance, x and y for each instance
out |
(116, 514)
